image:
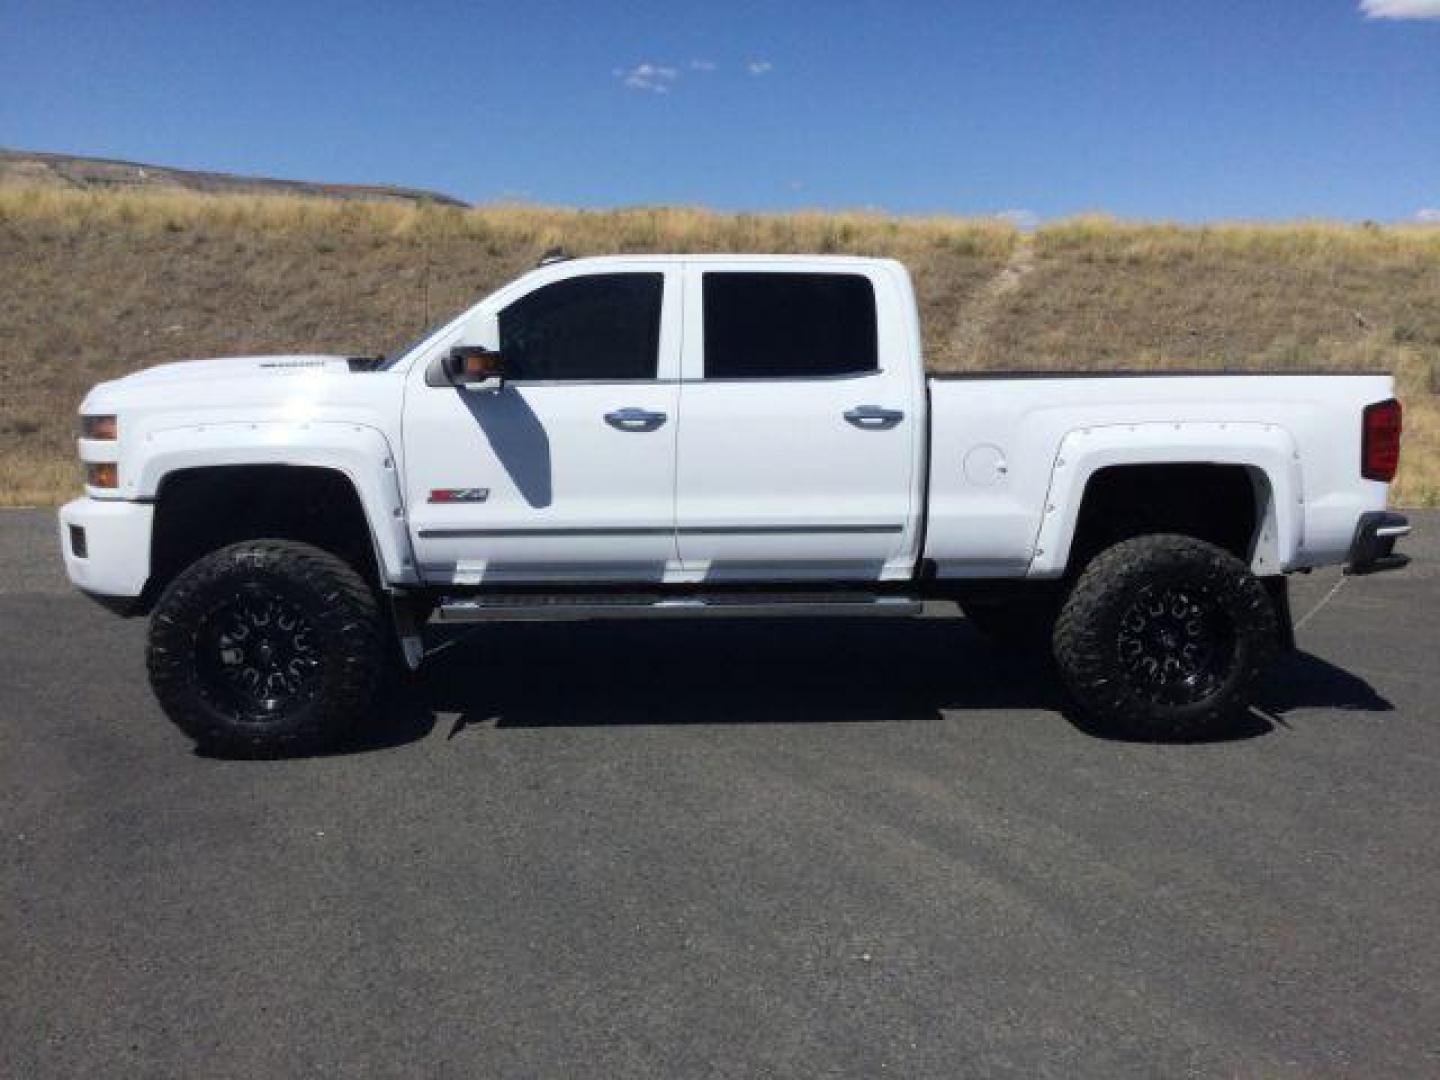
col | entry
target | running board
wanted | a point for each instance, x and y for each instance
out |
(521, 608)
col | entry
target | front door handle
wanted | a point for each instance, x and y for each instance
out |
(874, 417)
(635, 419)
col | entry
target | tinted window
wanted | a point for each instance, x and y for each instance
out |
(775, 326)
(603, 326)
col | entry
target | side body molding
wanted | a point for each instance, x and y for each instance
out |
(361, 453)
(1267, 450)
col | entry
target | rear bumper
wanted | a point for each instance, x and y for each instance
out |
(1373, 548)
(106, 544)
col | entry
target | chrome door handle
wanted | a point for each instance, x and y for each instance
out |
(873, 416)
(635, 419)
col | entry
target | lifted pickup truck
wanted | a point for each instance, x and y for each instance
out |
(711, 436)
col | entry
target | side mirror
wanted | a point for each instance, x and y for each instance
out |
(474, 367)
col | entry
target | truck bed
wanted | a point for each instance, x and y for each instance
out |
(1011, 454)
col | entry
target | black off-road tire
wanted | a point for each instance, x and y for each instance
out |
(339, 649)
(1177, 590)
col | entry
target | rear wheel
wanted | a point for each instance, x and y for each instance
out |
(268, 646)
(1163, 637)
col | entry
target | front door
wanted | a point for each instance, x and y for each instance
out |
(568, 472)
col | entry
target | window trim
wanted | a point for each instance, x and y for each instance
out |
(775, 380)
(593, 382)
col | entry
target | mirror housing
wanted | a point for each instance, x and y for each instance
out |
(474, 367)
(484, 329)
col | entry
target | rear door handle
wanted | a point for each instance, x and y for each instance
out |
(873, 416)
(635, 419)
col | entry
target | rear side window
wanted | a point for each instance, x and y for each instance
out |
(601, 326)
(788, 326)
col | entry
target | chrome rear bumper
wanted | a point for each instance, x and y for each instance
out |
(1373, 548)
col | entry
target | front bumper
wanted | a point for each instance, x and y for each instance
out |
(106, 544)
(1373, 548)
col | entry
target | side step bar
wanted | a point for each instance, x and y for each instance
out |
(521, 608)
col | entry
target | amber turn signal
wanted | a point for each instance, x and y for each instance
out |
(99, 427)
(102, 474)
(481, 365)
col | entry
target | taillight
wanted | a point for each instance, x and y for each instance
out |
(1380, 441)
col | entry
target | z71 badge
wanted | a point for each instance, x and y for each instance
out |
(454, 495)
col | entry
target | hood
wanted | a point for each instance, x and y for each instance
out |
(233, 367)
(248, 386)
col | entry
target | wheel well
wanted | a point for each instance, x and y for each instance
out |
(1220, 504)
(201, 510)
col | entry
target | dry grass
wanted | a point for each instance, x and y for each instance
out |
(1101, 292)
(100, 283)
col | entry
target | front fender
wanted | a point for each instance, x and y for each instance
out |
(1267, 450)
(361, 453)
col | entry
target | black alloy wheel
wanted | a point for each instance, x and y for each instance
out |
(1176, 644)
(257, 654)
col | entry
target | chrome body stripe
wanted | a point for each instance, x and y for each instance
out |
(657, 530)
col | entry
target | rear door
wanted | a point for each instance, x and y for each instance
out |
(568, 473)
(802, 414)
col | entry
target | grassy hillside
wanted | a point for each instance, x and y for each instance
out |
(99, 283)
(36, 169)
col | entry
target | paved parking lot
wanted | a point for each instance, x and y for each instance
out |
(672, 850)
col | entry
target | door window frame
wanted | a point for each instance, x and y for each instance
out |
(890, 338)
(466, 329)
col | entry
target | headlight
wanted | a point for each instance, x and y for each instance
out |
(102, 428)
(102, 474)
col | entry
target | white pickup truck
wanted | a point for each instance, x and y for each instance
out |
(703, 436)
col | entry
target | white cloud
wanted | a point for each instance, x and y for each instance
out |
(702, 65)
(1401, 9)
(653, 78)
(1430, 215)
(759, 67)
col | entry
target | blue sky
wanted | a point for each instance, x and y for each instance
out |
(1188, 109)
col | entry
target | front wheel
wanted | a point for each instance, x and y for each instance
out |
(1164, 637)
(268, 646)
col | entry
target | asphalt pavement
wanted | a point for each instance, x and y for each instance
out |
(790, 848)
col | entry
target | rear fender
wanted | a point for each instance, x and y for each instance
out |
(1267, 451)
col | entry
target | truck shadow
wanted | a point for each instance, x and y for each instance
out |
(766, 672)
(518, 439)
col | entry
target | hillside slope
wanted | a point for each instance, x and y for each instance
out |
(36, 169)
(99, 283)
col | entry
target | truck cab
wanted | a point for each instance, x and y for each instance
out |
(675, 421)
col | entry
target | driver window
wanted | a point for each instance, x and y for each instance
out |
(598, 326)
